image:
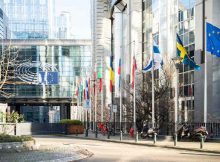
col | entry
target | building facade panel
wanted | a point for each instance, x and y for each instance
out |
(213, 113)
(46, 77)
(30, 19)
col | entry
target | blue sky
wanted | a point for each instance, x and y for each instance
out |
(80, 14)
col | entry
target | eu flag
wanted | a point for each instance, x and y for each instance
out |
(52, 77)
(48, 78)
(213, 39)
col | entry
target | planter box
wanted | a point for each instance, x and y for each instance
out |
(74, 129)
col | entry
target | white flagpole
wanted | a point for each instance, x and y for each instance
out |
(205, 66)
(152, 72)
(102, 92)
(120, 89)
(95, 105)
(134, 92)
(90, 104)
(77, 112)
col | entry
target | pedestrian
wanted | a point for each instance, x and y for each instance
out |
(132, 132)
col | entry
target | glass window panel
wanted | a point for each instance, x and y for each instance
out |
(181, 92)
(182, 105)
(185, 15)
(186, 68)
(186, 26)
(191, 37)
(192, 12)
(180, 67)
(181, 79)
(186, 91)
(180, 16)
(186, 78)
(181, 28)
(191, 116)
(186, 39)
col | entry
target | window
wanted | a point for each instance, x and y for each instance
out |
(42, 2)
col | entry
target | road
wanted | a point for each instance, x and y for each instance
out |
(115, 152)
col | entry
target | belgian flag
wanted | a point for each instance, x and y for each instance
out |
(111, 73)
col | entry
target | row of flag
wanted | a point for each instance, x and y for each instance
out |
(212, 43)
(83, 92)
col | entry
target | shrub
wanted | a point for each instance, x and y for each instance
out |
(69, 121)
(10, 138)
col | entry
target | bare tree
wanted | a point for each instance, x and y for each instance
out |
(163, 95)
(8, 63)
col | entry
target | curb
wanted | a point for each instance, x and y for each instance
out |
(144, 144)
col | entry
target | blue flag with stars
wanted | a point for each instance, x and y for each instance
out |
(213, 39)
(48, 78)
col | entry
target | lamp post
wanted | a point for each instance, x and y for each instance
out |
(95, 100)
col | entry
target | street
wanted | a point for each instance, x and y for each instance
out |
(107, 151)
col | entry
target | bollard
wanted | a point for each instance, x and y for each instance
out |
(120, 135)
(108, 134)
(175, 139)
(136, 139)
(201, 141)
(96, 132)
(87, 132)
(155, 138)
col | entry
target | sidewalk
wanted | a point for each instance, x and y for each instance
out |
(211, 147)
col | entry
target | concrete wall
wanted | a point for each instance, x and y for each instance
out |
(3, 108)
(101, 51)
(7, 128)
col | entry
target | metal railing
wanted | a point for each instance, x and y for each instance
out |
(165, 128)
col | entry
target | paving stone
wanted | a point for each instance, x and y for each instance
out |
(45, 154)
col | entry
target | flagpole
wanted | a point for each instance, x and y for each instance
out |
(102, 92)
(120, 89)
(93, 111)
(95, 107)
(134, 93)
(205, 65)
(90, 104)
(77, 112)
(152, 72)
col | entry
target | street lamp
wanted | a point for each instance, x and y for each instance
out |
(95, 112)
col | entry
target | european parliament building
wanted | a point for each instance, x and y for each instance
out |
(42, 80)
(159, 21)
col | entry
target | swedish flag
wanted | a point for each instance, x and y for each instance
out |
(183, 56)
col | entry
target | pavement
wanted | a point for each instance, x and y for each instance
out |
(208, 147)
(47, 152)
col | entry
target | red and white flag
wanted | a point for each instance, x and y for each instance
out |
(134, 67)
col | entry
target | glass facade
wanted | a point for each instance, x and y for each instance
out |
(1, 25)
(28, 19)
(69, 62)
(186, 27)
(155, 27)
